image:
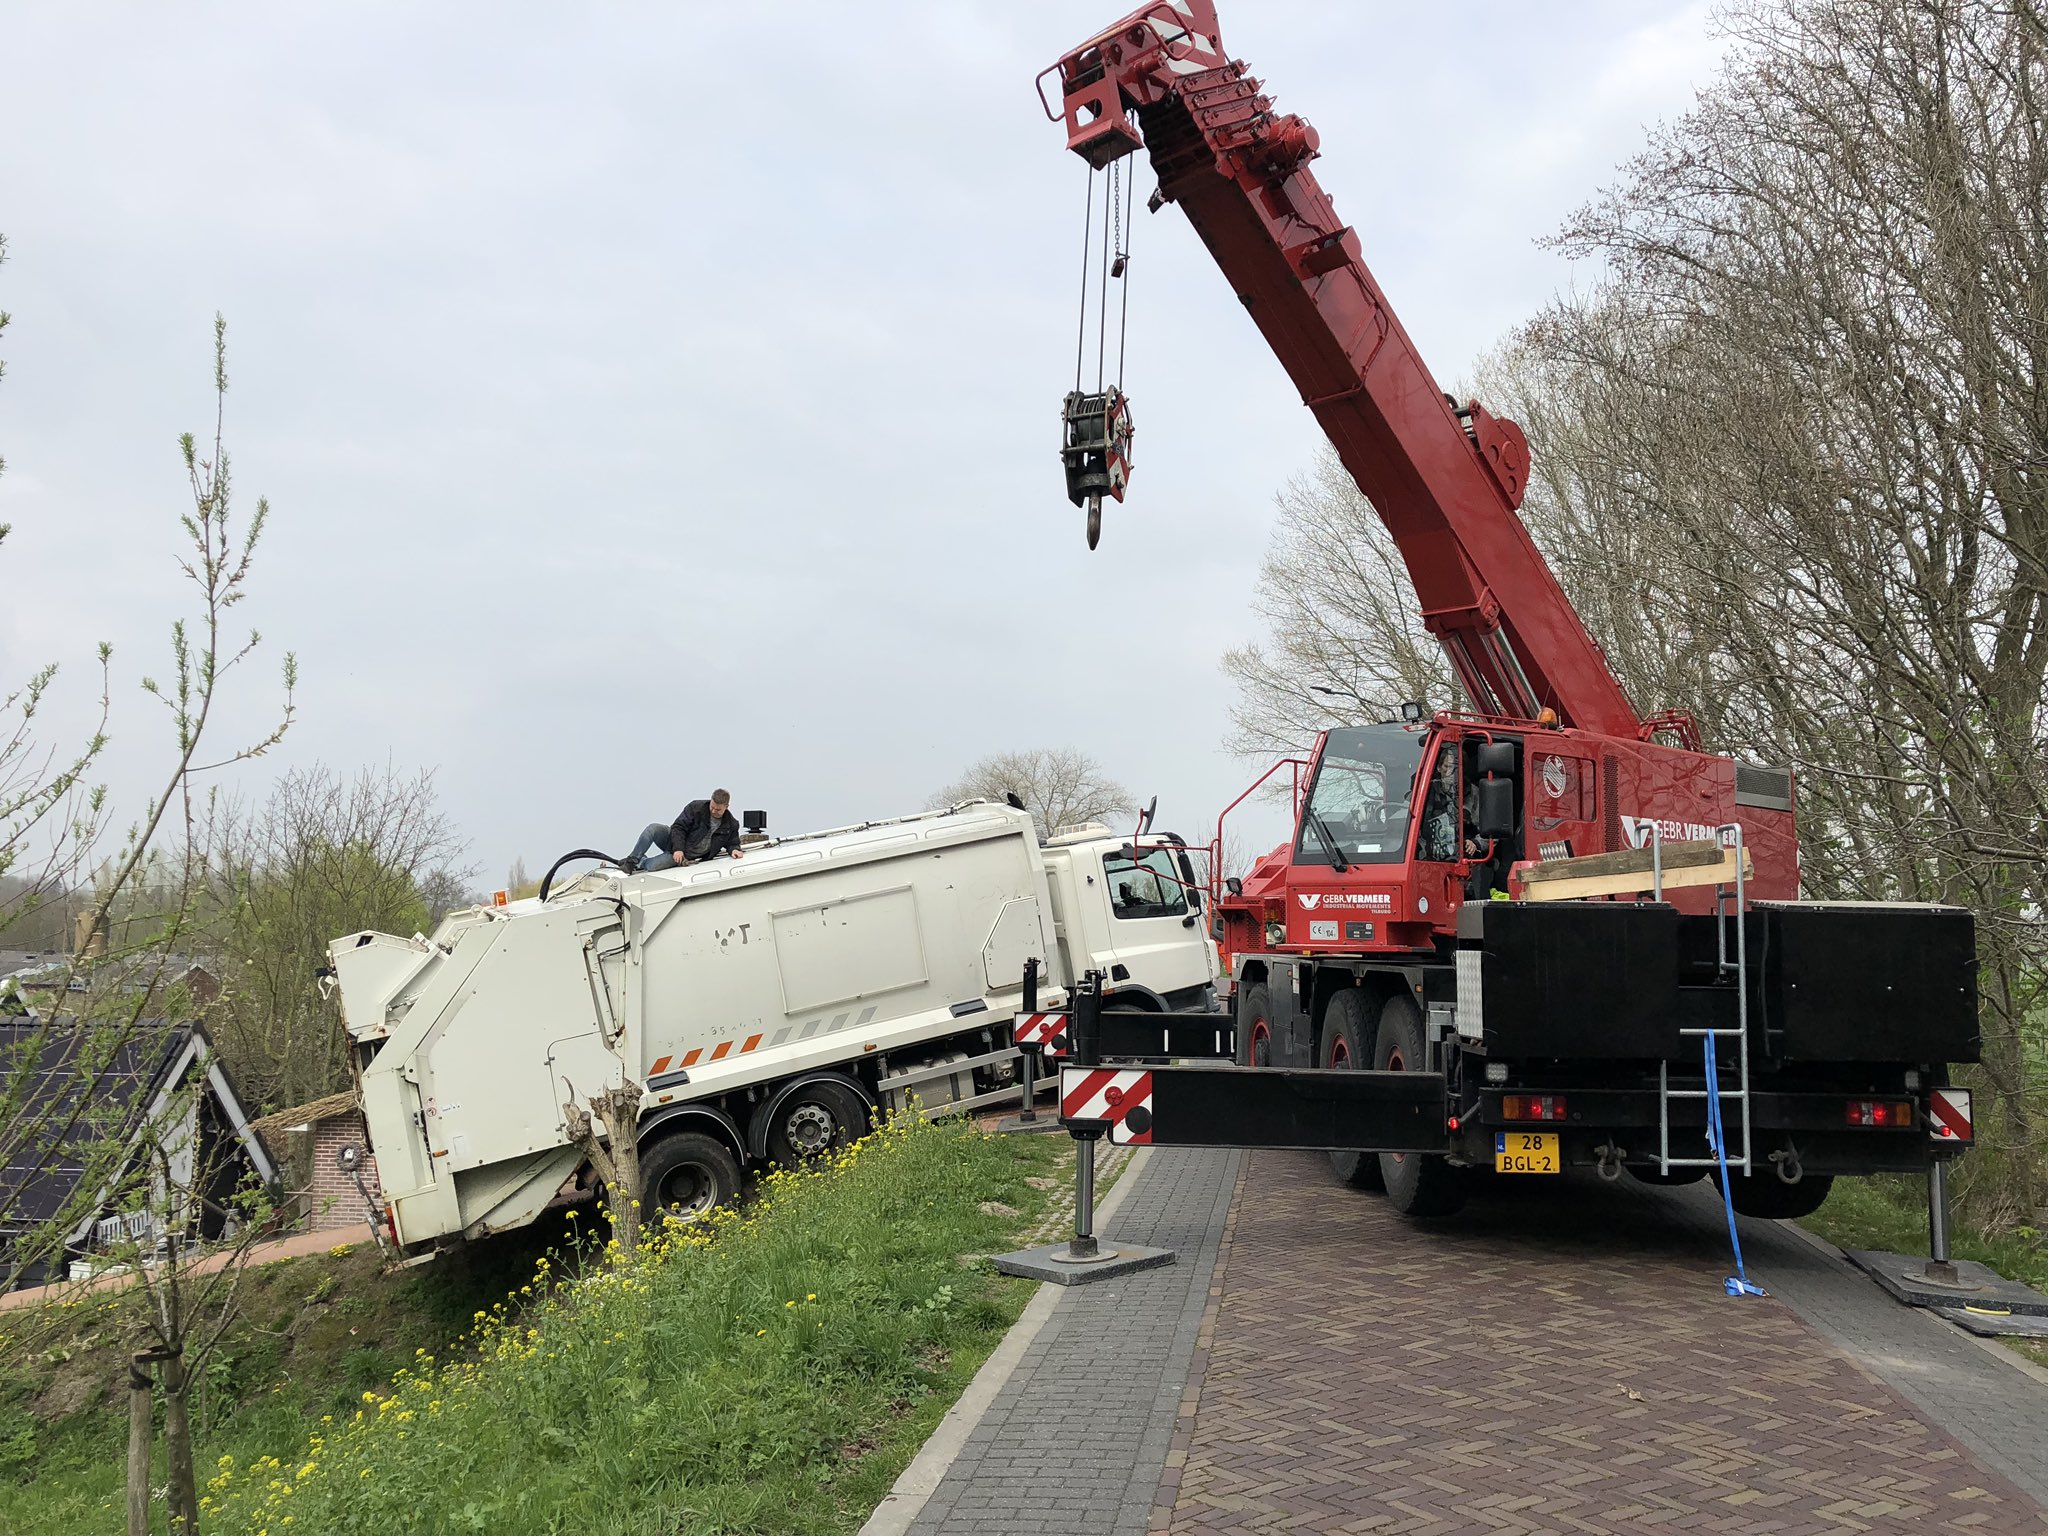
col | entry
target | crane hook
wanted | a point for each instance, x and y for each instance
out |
(1095, 449)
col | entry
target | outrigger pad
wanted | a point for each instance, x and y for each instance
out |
(1990, 1323)
(1905, 1276)
(1114, 1261)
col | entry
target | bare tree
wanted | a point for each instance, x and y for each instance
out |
(1345, 643)
(112, 979)
(54, 1074)
(50, 815)
(609, 1134)
(1825, 337)
(1060, 787)
(186, 1185)
(322, 857)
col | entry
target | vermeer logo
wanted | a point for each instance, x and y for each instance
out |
(1377, 901)
(1637, 830)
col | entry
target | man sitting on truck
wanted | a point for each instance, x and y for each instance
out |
(704, 830)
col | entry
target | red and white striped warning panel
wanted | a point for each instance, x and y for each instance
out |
(1948, 1114)
(1122, 1098)
(1047, 1031)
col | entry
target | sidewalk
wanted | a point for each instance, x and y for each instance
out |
(294, 1247)
(1559, 1358)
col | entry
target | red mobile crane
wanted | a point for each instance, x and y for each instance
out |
(1375, 940)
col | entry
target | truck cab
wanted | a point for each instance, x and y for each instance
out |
(1403, 822)
(1130, 910)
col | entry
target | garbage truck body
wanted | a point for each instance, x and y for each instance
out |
(768, 1006)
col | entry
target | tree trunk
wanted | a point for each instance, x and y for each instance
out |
(621, 1112)
(183, 1484)
(139, 1426)
(615, 1156)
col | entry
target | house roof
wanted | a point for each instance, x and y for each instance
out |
(273, 1128)
(125, 1076)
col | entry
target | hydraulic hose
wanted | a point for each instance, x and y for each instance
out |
(581, 853)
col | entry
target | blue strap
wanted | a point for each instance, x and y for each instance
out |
(1736, 1284)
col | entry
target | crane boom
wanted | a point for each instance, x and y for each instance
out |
(1446, 480)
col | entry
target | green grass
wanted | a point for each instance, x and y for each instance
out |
(770, 1373)
(1889, 1213)
(309, 1335)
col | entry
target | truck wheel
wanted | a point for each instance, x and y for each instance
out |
(1344, 1049)
(1769, 1198)
(816, 1119)
(1418, 1183)
(688, 1175)
(1255, 1026)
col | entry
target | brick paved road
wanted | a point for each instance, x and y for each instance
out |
(1558, 1359)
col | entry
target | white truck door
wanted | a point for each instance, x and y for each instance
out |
(1155, 926)
(1013, 938)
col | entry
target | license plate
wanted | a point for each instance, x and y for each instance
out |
(1525, 1152)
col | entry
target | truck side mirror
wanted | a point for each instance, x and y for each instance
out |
(1494, 815)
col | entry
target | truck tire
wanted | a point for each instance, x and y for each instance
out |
(1419, 1184)
(688, 1174)
(1255, 1026)
(815, 1119)
(1345, 1048)
(1769, 1198)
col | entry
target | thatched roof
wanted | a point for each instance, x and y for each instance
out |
(274, 1128)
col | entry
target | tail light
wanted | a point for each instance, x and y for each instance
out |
(1532, 1106)
(1889, 1113)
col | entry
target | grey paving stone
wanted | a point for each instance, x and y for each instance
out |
(1099, 1389)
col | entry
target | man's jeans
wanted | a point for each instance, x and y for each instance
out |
(655, 848)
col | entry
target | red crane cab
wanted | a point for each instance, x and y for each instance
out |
(1400, 824)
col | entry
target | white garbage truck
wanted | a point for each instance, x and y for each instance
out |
(768, 1005)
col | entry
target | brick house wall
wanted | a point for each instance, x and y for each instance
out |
(332, 1199)
(304, 1142)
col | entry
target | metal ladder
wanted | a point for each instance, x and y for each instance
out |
(1729, 836)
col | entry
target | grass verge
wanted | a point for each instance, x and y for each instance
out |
(770, 1372)
(1889, 1213)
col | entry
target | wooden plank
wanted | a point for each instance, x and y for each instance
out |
(1630, 861)
(1629, 883)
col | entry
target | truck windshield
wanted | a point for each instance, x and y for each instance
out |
(1361, 795)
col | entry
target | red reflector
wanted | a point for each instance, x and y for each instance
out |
(1453, 1122)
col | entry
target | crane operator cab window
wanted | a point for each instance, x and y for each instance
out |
(1358, 809)
(1443, 837)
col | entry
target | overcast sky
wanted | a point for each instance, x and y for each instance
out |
(655, 397)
